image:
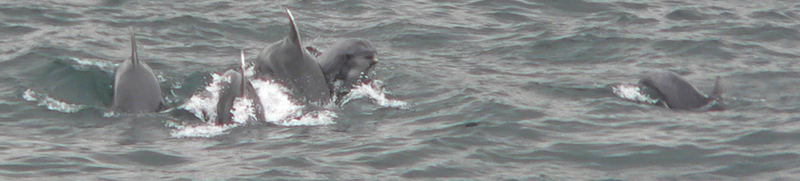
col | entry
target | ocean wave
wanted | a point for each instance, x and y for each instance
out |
(51, 103)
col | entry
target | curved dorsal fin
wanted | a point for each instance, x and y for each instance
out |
(295, 34)
(717, 92)
(244, 79)
(134, 54)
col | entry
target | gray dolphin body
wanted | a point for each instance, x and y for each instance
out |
(349, 61)
(289, 63)
(239, 86)
(136, 89)
(678, 94)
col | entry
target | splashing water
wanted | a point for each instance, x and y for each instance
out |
(51, 103)
(280, 109)
(632, 92)
(277, 104)
(375, 91)
(243, 110)
(203, 104)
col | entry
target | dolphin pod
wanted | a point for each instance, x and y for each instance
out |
(311, 75)
(678, 94)
(136, 89)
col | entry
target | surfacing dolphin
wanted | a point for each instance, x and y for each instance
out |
(136, 89)
(349, 61)
(286, 61)
(678, 94)
(239, 87)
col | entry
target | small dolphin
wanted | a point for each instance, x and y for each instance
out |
(239, 87)
(349, 61)
(136, 89)
(289, 63)
(678, 94)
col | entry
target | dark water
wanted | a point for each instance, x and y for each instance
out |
(498, 89)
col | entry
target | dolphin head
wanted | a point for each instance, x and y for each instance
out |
(361, 59)
(353, 59)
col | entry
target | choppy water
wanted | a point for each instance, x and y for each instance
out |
(495, 89)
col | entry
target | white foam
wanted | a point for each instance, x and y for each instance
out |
(84, 64)
(182, 130)
(280, 109)
(51, 103)
(375, 91)
(243, 109)
(316, 118)
(275, 99)
(632, 92)
(203, 104)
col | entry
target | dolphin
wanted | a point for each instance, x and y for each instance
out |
(239, 87)
(678, 94)
(349, 61)
(136, 89)
(288, 62)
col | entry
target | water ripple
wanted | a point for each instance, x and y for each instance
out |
(477, 89)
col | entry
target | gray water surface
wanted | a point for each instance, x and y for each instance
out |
(497, 90)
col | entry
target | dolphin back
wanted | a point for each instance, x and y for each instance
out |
(238, 86)
(228, 94)
(286, 61)
(675, 91)
(136, 88)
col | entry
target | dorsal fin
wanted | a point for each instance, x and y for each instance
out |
(716, 103)
(134, 54)
(244, 79)
(295, 34)
(717, 92)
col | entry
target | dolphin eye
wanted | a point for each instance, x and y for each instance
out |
(371, 57)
